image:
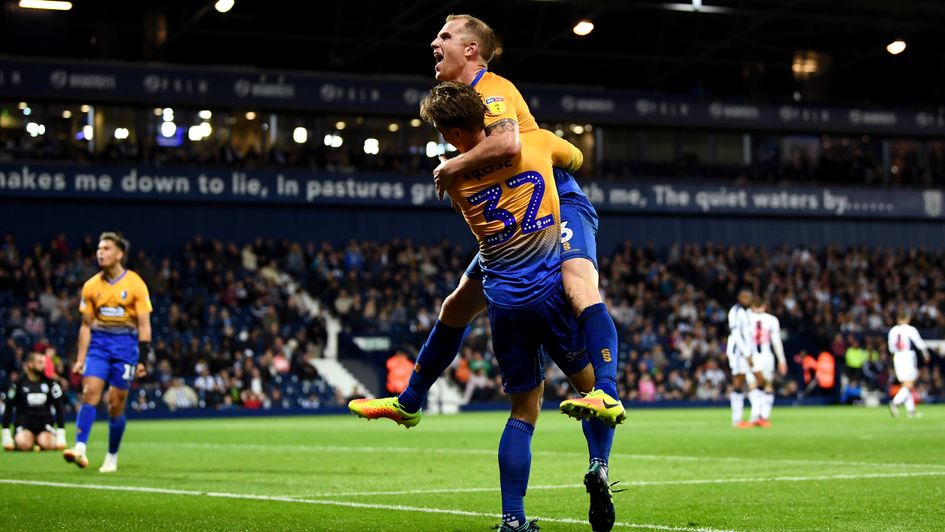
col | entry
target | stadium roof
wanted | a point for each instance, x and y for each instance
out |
(751, 49)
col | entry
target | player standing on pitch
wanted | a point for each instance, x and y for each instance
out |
(903, 341)
(738, 352)
(766, 345)
(36, 401)
(115, 331)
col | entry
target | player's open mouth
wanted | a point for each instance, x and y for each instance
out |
(438, 57)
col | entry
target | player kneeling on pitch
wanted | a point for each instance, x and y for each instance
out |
(36, 400)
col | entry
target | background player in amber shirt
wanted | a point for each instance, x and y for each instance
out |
(115, 331)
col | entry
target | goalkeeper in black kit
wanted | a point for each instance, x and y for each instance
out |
(37, 404)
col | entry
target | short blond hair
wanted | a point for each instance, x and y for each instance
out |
(480, 32)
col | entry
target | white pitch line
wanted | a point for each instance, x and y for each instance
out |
(395, 507)
(682, 482)
(492, 452)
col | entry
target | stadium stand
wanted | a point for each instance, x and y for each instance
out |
(246, 326)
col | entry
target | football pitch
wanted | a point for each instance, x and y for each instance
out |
(828, 468)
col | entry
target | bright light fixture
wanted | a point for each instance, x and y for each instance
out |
(300, 135)
(46, 4)
(223, 6)
(168, 129)
(583, 27)
(896, 47)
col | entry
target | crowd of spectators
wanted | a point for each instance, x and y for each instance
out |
(227, 335)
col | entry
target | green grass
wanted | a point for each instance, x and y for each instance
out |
(817, 469)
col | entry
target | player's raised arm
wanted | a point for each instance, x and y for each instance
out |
(564, 155)
(502, 143)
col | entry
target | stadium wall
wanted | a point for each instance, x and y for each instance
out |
(164, 226)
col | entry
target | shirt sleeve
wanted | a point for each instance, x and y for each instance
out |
(502, 103)
(55, 393)
(11, 402)
(86, 303)
(917, 340)
(564, 155)
(142, 298)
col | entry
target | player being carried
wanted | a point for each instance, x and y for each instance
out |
(36, 400)
(766, 345)
(115, 330)
(513, 211)
(463, 49)
(903, 340)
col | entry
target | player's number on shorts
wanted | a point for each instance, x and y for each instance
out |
(566, 233)
(129, 372)
(530, 221)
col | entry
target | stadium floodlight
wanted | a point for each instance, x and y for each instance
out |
(896, 47)
(250, 115)
(415, 122)
(46, 4)
(372, 146)
(393, 127)
(300, 135)
(168, 129)
(205, 129)
(85, 108)
(577, 129)
(583, 27)
(168, 114)
(194, 133)
(88, 132)
(122, 133)
(205, 114)
(695, 7)
(222, 6)
(67, 114)
(340, 125)
(27, 111)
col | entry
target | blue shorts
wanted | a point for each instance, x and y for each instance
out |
(112, 358)
(521, 337)
(579, 224)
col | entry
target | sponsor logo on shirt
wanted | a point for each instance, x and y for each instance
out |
(496, 105)
(112, 312)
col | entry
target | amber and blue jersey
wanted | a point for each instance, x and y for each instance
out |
(506, 102)
(114, 305)
(512, 208)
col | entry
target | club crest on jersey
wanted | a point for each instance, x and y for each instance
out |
(496, 105)
(124, 294)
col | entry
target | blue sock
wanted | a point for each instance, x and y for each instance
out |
(116, 429)
(83, 422)
(435, 356)
(515, 462)
(600, 334)
(600, 438)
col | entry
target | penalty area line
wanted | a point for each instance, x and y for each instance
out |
(321, 502)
